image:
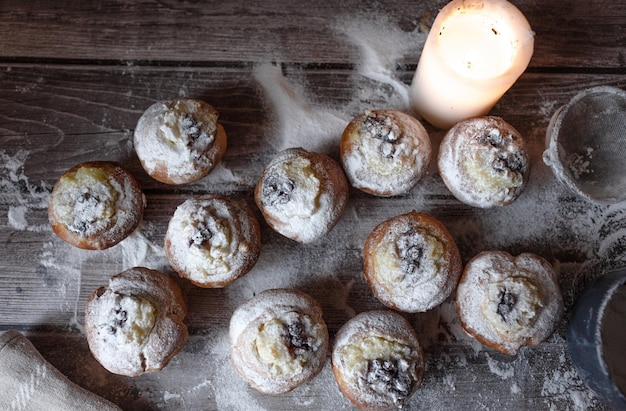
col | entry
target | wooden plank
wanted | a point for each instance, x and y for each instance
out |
(91, 112)
(581, 34)
(74, 81)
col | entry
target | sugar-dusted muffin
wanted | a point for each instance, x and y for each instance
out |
(278, 340)
(484, 162)
(302, 194)
(377, 360)
(213, 240)
(179, 141)
(508, 302)
(95, 205)
(411, 262)
(385, 152)
(135, 324)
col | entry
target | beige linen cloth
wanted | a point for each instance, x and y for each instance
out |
(29, 382)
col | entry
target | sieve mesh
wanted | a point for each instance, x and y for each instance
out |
(591, 144)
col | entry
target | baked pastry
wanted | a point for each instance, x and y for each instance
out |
(484, 163)
(508, 302)
(278, 340)
(377, 360)
(135, 325)
(302, 194)
(179, 141)
(95, 205)
(385, 152)
(213, 240)
(411, 262)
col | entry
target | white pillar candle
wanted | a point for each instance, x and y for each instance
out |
(475, 51)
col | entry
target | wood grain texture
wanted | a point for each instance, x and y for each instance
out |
(74, 81)
(587, 33)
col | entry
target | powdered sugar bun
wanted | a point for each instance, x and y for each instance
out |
(508, 302)
(377, 360)
(278, 340)
(302, 194)
(385, 152)
(179, 141)
(483, 161)
(411, 262)
(95, 205)
(213, 240)
(135, 325)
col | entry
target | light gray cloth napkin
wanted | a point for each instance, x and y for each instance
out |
(29, 382)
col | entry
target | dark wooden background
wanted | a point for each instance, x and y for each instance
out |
(74, 79)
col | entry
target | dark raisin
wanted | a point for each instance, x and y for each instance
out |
(191, 127)
(296, 337)
(277, 189)
(411, 249)
(201, 236)
(196, 132)
(84, 218)
(506, 303)
(381, 127)
(493, 138)
(119, 319)
(505, 160)
(386, 377)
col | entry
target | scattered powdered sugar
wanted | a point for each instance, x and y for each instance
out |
(17, 217)
(502, 370)
(299, 122)
(563, 386)
(302, 121)
(381, 45)
(579, 164)
(20, 194)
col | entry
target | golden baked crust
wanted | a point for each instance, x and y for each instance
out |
(302, 194)
(95, 205)
(278, 340)
(484, 162)
(135, 324)
(213, 240)
(179, 141)
(377, 360)
(385, 152)
(411, 262)
(508, 302)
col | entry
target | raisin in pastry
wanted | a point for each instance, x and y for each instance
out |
(508, 302)
(278, 340)
(179, 141)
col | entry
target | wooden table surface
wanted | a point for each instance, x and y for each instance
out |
(75, 79)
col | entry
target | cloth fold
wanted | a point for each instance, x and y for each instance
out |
(29, 382)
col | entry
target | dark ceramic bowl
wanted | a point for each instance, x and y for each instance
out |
(584, 337)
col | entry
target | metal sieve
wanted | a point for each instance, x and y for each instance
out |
(586, 144)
